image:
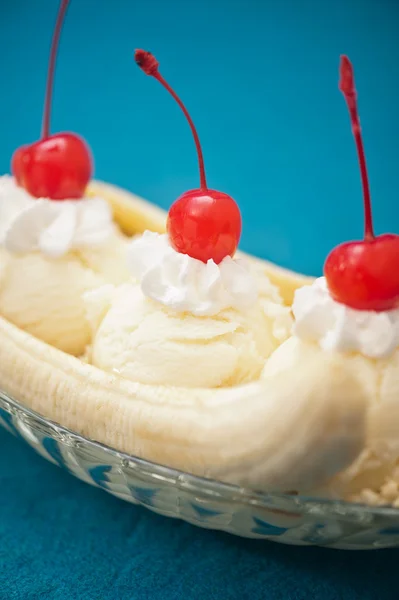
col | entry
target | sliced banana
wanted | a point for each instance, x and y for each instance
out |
(280, 433)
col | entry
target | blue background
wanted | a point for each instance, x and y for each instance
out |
(260, 79)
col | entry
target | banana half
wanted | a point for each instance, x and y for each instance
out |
(277, 434)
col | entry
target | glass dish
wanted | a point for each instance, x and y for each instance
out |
(282, 518)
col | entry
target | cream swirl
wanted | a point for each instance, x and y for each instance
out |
(337, 327)
(52, 227)
(186, 284)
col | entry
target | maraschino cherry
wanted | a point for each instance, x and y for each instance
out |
(57, 166)
(363, 275)
(203, 223)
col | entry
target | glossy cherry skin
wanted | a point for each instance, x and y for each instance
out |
(58, 167)
(365, 275)
(205, 224)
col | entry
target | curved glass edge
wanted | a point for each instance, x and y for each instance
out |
(339, 509)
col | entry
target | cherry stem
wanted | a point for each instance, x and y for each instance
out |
(51, 69)
(148, 63)
(347, 87)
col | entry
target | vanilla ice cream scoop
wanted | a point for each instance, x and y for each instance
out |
(367, 344)
(51, 253)
(185, 323)
(149, 343)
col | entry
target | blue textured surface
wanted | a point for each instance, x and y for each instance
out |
(260, 78)
(61, 539)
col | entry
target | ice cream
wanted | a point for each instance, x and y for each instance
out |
(367, 343)
(184, 323)
(51, 252)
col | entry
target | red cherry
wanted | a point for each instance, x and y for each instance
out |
(363, 275)
(203, 223)
(57, 166)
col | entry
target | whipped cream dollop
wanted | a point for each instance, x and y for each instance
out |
(52, 227)
(186, 284)
(337, 327)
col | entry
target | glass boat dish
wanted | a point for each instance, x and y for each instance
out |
(282, 518)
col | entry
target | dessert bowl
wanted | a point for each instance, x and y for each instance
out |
(117, 434)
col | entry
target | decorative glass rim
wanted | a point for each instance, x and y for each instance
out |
(327, 507)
